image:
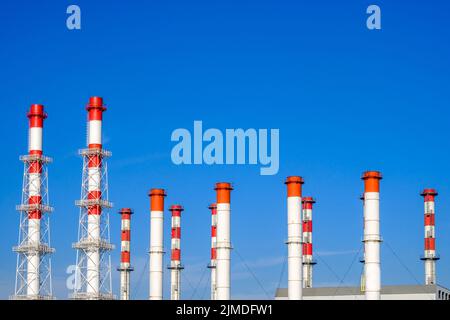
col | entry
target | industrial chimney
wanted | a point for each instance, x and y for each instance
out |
(156, 243)
(125, 266)
(223, 191)
(175, 263)
(430, 256)
(294, 242)
(93, 246)
(212, 265)
(372, 237)
(308, 261)
(33, 272)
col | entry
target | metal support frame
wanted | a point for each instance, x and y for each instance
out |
(85, 244)
(25, 249)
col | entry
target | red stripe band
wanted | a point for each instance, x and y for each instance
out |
(95, 146)
(126, 235)
(35, 167)
(429, 220)
(35, 214)
(176, 233)
(95, 161)
(307, 226)
(307, 249)
(430, 244)
(94, 195)
(125, 256)
(95, 114)
(95, 210)
(176, 254)
(35, 200)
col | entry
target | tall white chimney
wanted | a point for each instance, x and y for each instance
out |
(294, 242)
(156, 243)
(223, 245)
(372, 237)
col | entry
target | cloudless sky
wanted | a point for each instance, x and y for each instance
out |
(346, 99)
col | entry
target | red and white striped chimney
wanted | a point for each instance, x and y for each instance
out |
(36, 117)
(430, 256)
(156, 243)
(95, 110)
(212, 265)
(372, 238)
(294, 242)
(223, 245)
(308, 260)
(125, 264)
(175, 264)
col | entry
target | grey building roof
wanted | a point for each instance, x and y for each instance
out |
(343, 291)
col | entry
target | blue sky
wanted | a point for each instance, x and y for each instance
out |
(345, 99)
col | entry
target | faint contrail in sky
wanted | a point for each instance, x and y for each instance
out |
(336, 253)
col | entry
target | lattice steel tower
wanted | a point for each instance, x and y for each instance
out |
(93, 272)
(33, 271)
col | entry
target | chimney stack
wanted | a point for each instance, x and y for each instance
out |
(223, 191)
(372, 237)
(156, 243)
(430, 256)
(37, 117)
(125, 266)
(93, 246)
(33, 271)
(175, 263)
(308, 261)
(213, 262)
(294, 242)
